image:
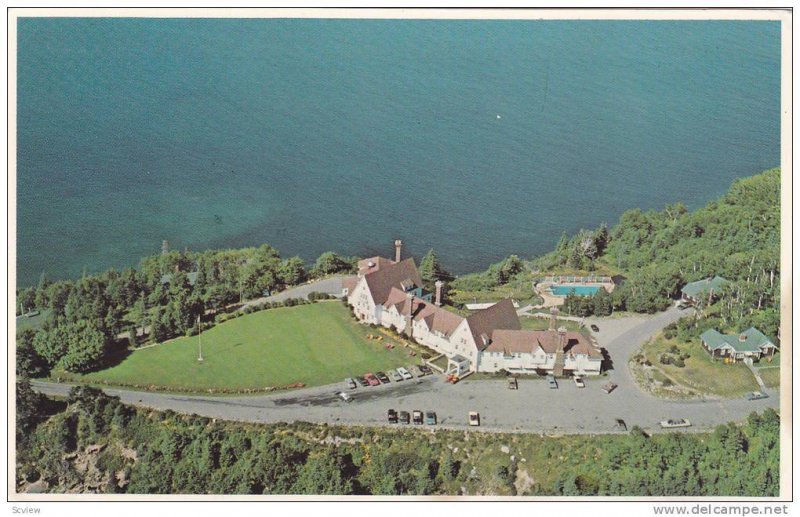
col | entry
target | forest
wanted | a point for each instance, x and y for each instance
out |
(653, 254)
(160, 299)
(93, 443)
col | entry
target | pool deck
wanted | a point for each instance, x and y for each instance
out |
(551, 300)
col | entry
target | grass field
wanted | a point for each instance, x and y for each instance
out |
(34, 322)
(530, 323)
(313, 344)
(771, 377)
(700, 374)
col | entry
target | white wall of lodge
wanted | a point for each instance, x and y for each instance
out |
(461, 341)
(361, 301)
(529, 362)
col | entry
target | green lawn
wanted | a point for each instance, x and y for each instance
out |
(530, 323)
(313, 344)
(700, 373)
(771, 377)
(34, 322)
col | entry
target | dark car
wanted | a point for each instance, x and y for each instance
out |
(594, 328)
(362, 381)
(404, 417)
(382, 376)
(392, 415)
(426, 370)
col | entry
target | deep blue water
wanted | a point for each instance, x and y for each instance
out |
(478, 139)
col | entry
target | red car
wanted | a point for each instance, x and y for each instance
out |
(371, 379)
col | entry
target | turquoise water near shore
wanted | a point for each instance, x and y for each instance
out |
(478, 139)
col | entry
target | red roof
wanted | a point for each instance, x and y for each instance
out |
(483, 323)
(381, 281)
(370, 265)
(528, 341)
(438, 319)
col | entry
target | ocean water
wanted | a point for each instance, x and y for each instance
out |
(475, 138)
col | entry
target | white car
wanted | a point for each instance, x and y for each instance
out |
(675, 422)
(405, 373)
(344, 396)
(579, 382)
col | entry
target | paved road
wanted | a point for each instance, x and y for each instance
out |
(532, 408)
(331, 285)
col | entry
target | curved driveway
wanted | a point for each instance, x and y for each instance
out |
(532, 408)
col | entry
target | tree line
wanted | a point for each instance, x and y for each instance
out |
(167, 295)
(94, 443)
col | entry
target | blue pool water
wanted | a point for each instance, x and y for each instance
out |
(580, 290)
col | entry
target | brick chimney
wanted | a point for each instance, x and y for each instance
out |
(742, 337)
(398, 247)
(553, 318)
(562, 337)
(439, 284)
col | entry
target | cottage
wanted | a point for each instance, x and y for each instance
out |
(751, 345)
(702, 290)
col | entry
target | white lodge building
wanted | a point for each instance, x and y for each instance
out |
(389, 293)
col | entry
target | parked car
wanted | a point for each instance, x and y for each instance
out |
(679, 422)
(344, 396)
(551, 382)
(756, 395)
(392, 416)
(382, 377)
(620, 424)
(362, 381)
(404, 417)
(430, 418)
(405, 373)
(371, 379)
(415, 371)
(350, 383)
(425, 369)
(395, 375)
(609, 387)
(594, 328)
(512, 383)
(416, 417)
(579, 382)
(474, 418)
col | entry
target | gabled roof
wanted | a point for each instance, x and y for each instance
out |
(528, 341)
(437, 319)
(350, 283)
(694, 289)
(380, 282)
(372, 264)
(751, 340)
(499, 316)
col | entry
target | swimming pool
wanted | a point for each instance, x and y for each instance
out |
(580, 290)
